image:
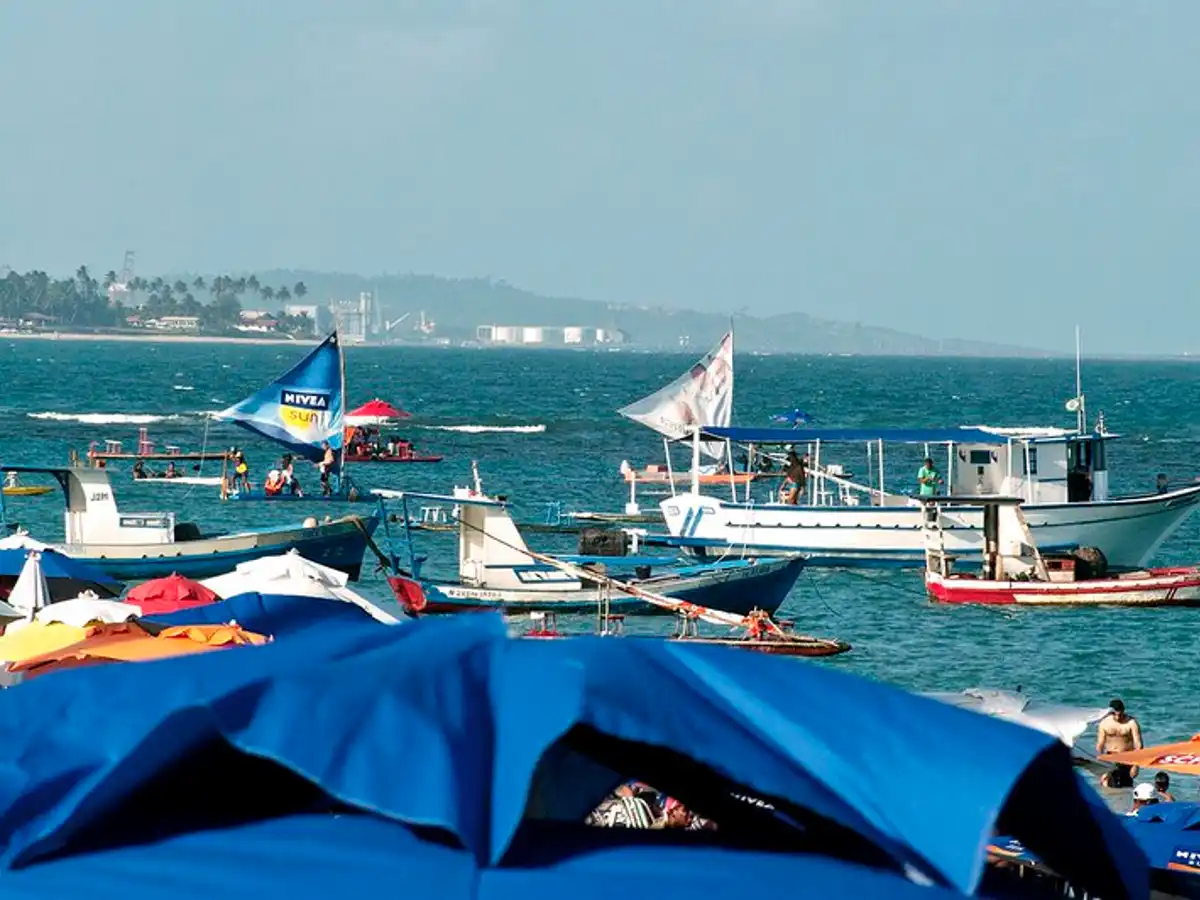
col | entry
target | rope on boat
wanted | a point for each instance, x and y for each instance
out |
(385, 562)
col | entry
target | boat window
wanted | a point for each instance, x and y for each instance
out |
(981, 457)
(1098, 452)
(1033, 461)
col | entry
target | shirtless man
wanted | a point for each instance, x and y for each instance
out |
(1118, 733)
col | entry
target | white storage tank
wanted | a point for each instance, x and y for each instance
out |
(504, 334)
(572, 334)
(533, 335)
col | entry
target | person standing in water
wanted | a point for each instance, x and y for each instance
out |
(1118, 733)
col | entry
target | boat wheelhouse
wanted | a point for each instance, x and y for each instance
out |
(1061, 475)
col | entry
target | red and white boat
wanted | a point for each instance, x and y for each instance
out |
(1015, 571)
(365, 442)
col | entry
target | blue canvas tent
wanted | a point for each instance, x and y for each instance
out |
(353, 745)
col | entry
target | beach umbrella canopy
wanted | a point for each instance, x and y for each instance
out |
(131, 642)
(164, 595)
(436, 729)
(276, 614)
(291, 575)
(31, 592)
(22, 541)
(1182, 757)
(86, 609)
(375, 412)
(65, 577)
(1066, 723)
(26, 639)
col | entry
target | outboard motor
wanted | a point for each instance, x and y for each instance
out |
(1090, 563)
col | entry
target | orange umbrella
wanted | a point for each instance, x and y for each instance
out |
(164, 595)
(1182, 757)
(131, 642)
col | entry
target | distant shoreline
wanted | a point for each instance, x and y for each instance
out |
(153, 338)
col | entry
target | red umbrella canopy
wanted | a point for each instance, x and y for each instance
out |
(164, 595)
(377, 409)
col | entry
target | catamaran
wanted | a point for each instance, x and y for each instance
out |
(303, 411)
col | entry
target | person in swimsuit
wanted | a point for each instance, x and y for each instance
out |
(1118, 733)
(1162, 788)
(326, 466)
(795, 478)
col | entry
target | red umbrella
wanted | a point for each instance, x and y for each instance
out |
(377, 409)
(164, 595)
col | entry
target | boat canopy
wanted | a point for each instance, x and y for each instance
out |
(959, 435)
(855, 435)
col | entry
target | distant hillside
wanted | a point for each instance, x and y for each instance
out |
(459, 305)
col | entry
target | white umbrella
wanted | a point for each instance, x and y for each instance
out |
(291, 575)
(22, 541)
(87, 608)
(31, 592)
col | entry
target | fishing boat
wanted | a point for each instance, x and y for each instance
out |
(135, 546)
(1015, 571)
(13, 488)
(496, 570)
(303, 412)
(1061, 474)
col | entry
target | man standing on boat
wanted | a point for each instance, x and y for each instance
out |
(328, 461)
(1118, 733)
(928, 479)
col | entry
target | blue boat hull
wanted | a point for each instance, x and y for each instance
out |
(760, 584)
(339, 545)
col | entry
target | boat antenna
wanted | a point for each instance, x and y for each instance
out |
(1076, 403)
(343, 482)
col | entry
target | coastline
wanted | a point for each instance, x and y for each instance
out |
(155, 338)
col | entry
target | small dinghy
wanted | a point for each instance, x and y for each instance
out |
(1016, 572)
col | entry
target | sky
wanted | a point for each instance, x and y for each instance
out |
(959, 168)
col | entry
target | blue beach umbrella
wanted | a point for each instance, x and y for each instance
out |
(66, 576)
(451, 736)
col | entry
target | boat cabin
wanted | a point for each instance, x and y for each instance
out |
(1060, 467)
(92, 516)
(1009, 553)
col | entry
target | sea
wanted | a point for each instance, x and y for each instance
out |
(543, 429)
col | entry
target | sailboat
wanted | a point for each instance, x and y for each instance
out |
(303, 411)
(702, 396)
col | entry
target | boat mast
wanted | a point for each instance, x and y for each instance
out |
(337, 337)
(1080, 412)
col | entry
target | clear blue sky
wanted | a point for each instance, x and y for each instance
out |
(979, 168)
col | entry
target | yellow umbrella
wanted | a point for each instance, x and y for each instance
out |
(22, 641)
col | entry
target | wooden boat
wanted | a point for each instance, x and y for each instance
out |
(404, 453)
(135, 546)
(778, 641)
(1014, 571)
(496, 570)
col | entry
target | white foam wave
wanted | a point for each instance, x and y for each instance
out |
(481, 429)
(105, 418)
(183, 387)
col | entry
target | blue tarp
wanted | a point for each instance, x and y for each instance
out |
(276, 615)
(1169, 834)
(455, 727)
(855, 435)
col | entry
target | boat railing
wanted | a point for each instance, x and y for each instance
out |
(850, 493)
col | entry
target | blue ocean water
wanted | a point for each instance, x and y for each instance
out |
(542, 426)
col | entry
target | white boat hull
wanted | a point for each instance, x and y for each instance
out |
(1128, 531)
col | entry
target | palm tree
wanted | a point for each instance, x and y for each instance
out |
(283, 295)
(180, 286)
(300, 291)
(252, 283)
(267, 292)
(198, 284)
(110, 278)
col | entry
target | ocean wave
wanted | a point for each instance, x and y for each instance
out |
(183, 387)
(481, 429)
(106, 418)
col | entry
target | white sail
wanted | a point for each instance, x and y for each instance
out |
(701, 396)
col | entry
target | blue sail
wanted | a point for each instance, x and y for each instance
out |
(301, 409)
